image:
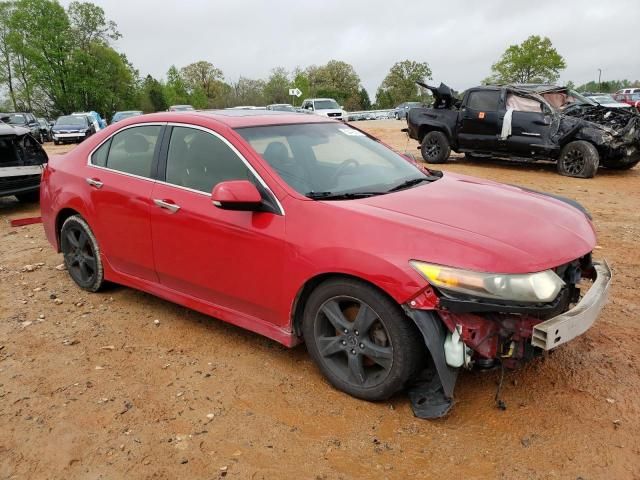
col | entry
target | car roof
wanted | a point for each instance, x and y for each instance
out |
(232, 118)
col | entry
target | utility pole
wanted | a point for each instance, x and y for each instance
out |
(599, 79)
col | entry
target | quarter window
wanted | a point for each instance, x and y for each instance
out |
(99, 157)
(484, 101)
(200, 160)
(131, 151)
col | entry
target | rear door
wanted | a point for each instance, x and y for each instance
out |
(530, 126)
(481, 121)
(120, 176)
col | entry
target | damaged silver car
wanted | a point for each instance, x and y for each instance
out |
(527, 123)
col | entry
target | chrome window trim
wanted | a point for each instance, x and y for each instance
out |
(185, 125)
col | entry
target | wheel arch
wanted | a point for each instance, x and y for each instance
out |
(433, 127)
(61, 217)
(300, 300)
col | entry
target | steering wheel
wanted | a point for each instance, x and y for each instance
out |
(348, 163)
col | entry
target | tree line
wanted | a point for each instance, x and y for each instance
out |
(55, 61)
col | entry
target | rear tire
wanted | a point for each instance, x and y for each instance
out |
(360, 339)
(435, 147)
(578, 159)
(81, 253)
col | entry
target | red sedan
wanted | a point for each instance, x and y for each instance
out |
(302, 228)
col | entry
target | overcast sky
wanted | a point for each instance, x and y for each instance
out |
(459, 39)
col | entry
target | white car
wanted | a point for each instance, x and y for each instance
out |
(606, 100)
(327, 107)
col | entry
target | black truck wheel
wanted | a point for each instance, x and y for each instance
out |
(578, 159)
(435, 147)
(361, 341)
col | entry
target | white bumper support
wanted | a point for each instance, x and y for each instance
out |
(567, 326)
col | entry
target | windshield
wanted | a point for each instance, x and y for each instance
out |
(326, 105)
(16, 119)
(603, 98)
(330, 159)
(579, 98)
(181, 108)
(73, 120)
(283, 108)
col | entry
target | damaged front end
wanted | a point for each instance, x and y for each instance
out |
(614, 132)
(463, 331)
(22, 160)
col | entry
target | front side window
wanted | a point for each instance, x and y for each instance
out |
(316, 158)
(131, 150)
(200, 160)
(484, 100)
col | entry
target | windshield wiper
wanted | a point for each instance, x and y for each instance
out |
(340, 196)
(410, 183)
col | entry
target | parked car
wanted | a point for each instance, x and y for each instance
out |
(326, 107)
(94, 119)
(181, 108)
(21, 163)
(25, 120)
(72, 129)
(400, 112)
(301, 228)
(125, 114)
(45, 129)
(631, 99)
(527, 122)
(606, 100)
(626, 91)
(281, 107)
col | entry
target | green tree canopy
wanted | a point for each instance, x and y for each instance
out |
(533, 61)
(400, 84)
(276, 89)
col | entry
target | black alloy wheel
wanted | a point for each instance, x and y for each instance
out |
(361, 339)
(81, 253)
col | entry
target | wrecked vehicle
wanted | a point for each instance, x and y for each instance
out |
(527, 123)
(305, 229)
(21, 163)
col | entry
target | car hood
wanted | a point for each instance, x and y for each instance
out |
(480, 225)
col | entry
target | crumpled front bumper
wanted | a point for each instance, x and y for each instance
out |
(569, 325)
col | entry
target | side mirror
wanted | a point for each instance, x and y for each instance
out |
(239, 195)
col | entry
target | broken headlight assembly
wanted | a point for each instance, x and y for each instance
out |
(530, 287)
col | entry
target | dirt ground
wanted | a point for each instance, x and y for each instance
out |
(91, 387)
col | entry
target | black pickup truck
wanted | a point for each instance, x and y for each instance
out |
(527, 123)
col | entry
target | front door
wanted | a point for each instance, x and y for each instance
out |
(232, 259)
(481, 121)
(120, 176)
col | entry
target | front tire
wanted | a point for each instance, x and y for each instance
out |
(360, 339)
(81, 253)
(578, 159)
(435, 147)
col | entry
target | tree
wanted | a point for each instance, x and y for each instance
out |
(89, 24)
(364, 100)
(153, 99)
(247, 91)
(337, 80)
(400, 84)
(6, 53)
(202, 75)
(176, 88)
(276, 90)
(533, 61)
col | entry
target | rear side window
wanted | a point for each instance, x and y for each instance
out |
(131, 151)
(200, 160)
(484, 101)
(99, 157)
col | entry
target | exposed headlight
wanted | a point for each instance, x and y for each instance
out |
(529, 287)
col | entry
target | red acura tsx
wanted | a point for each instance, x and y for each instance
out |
(302, 228)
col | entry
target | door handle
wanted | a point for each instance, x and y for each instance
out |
(172, 207)
(94, 182)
